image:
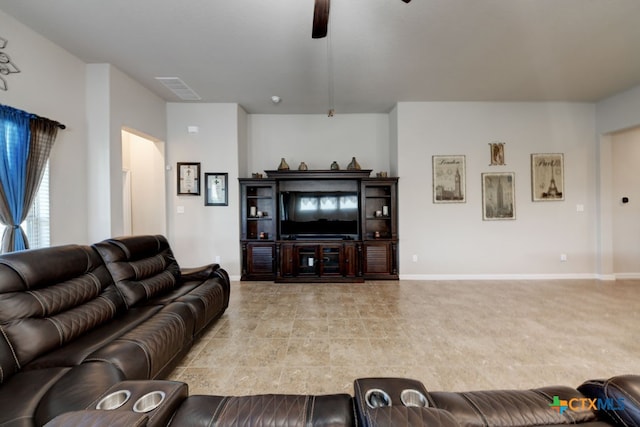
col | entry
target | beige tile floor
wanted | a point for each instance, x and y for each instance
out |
(451, 335)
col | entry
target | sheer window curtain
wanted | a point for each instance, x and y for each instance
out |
(25, 145)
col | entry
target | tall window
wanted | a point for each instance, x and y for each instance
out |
(25, 145)
(36, 226)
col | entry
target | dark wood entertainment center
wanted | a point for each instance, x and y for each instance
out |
(319, 226)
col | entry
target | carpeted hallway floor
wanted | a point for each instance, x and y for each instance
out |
(451, 335)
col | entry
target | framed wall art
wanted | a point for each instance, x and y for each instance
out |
(547, 177)
(449, 179)
(6, 66)
(498, 196)
(216, 189)
(188, 179)
(497, 153)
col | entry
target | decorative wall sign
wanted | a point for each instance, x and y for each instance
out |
(547, 177)
(449, 178)
(498, 196)
(497, 153)
(6, 66)
(188, 179)
(216, 189)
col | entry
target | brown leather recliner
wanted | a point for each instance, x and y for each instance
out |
(618, 398)
(49, 299)
(401, 402)
(68, 333)
(266, 410)
(146, 273)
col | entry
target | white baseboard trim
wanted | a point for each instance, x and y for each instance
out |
(603, 277)
(503, 277)
(622, 276)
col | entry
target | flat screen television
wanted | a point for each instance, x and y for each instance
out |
(319, 214)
